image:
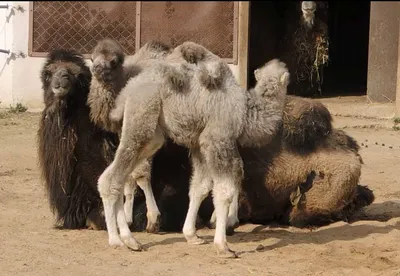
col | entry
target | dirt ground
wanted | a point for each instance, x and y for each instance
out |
(30, 246)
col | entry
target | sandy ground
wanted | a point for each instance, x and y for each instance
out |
(30, 246)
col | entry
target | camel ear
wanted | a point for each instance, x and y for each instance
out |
(284, 80)
(257, 74)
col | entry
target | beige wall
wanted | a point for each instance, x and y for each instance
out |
(383, 51)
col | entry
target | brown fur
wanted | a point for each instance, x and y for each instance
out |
(306, 122)
(71, 149)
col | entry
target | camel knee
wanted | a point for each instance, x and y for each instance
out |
(226, 189)
(109, 185)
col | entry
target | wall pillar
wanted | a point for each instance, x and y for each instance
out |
(383, 51)
(243, 42)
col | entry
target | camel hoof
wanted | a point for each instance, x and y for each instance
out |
(153, 227)
(195, 240)
(115, 242)
(132, 244)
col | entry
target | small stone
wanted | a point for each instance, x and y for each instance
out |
(376, 143)
(366, 140)
(366, 146)
(362, 144)
(390, 147)
(383, 145)
(260, 247)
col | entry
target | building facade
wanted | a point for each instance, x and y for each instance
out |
(31, 29)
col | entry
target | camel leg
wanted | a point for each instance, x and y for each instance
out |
(129, 193)
(233, 220)
(112, 181)
(200, 186)
(153, 214)
(111, 185)
(226, 168)
(223, 195)
(127, 238)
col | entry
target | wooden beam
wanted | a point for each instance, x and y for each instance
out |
(243, 47)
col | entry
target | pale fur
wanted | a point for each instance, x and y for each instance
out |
(101, 100)
(308, 9)
(169, 99)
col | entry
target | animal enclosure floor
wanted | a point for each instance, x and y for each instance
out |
(30, 246)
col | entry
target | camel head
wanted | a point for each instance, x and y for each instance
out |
(308, 9)
(274, 71)
(64, 74)
(108, 58)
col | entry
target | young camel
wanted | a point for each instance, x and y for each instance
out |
(202, 108)
(110, 76)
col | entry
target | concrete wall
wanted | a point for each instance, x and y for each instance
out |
(6, 38)
(19, 80)
(19, 75)
(383, 51)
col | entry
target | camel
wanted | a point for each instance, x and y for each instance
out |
(171, 99)
(68, 143)
(110, 76)
(305, 47)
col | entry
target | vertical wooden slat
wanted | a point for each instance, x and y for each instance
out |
(235, 32)
(30, 39)
(243, 45)
(138, 22)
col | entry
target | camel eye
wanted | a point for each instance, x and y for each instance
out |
(47, 75)
(113, 62)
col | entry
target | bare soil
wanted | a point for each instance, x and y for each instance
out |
(29, 245)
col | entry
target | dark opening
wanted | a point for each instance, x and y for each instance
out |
(348, 24)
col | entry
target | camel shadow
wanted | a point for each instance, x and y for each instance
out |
(346, 232)
(175, 240)
(381, 212)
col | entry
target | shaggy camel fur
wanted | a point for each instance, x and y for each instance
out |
(110, 76)
(170, 99)
(72, 151)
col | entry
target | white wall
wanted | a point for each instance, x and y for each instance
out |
(19, 76)
(19, 81)
(6, 38)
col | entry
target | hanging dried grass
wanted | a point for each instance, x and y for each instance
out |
(312, 54)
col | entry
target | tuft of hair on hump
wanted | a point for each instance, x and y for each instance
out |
(175, 77)
(157, 46)
(110, 48)
(306, 122)
(195, 53)
(212, 74)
